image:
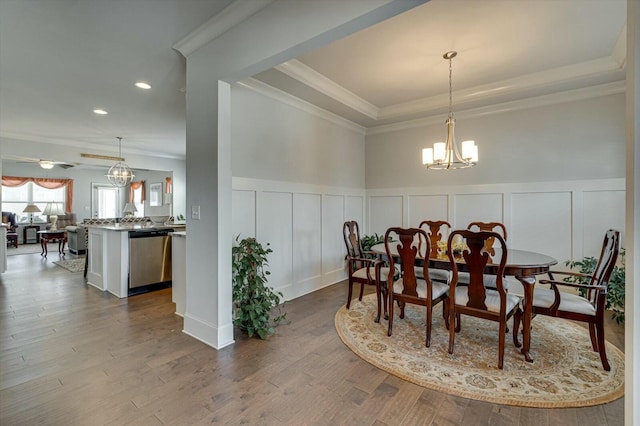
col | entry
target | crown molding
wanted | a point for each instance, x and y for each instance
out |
(533, 102)
(484, 93)
(236, 12)
(306, 75)
(619, 53)
(300, 104)
(85, 145)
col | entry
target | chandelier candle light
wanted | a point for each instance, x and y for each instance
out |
(120, 174)
(445, 155)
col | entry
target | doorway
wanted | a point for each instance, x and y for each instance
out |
(105, 201)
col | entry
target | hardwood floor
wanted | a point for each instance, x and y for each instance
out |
(70, 354)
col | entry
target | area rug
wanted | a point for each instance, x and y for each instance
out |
(72, 265)
(566, 372)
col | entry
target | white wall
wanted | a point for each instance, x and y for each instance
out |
(250, 47)
(563, 219)
(296, 178)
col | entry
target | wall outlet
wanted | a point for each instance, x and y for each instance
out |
(195, 212)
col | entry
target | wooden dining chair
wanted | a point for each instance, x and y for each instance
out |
(434, 229)
(489, 226)
(590, 307)
(511, 284)
(475, 299)
(407, 288)
(362, 267)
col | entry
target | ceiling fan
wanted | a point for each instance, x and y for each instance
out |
(46, 164)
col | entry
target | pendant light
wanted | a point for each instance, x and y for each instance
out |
(445, 155)
(120, 175)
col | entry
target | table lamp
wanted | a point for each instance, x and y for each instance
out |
(129, 209)
(52, 210)
(31, 209)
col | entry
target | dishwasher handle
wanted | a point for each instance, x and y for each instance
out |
(147, 234)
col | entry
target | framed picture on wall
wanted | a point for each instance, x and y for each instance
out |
(155, 194)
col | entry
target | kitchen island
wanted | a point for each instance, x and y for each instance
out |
(128, 258)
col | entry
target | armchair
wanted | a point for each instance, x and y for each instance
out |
(12, 227)
(76, 239)
(363, 270)
(588, 308)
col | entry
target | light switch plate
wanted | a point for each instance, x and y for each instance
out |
(195, 212)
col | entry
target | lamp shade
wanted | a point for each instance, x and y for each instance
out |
(31, 208)
(129, 209)
(53, 209)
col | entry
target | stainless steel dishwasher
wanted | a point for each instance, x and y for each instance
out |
(149, 260)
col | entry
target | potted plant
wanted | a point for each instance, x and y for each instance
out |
(257, 307)
(368, 241)
(615, 292)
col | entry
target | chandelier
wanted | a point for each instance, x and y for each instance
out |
(120, 174)
(445, 155)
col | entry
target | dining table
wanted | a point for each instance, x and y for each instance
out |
(524, 265)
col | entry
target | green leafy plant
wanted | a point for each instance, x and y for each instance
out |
(369, 241)
(257, 306)
(615, 293)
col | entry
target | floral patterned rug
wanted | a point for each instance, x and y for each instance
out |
(565, 373)
(72, 265)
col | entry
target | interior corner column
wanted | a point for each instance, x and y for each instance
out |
(632, 229)
(208, 294)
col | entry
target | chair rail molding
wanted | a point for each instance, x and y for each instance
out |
(571, 214)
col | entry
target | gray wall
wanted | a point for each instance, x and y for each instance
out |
(82, 180)
(569, 141)
(276, 141)
(83, 177)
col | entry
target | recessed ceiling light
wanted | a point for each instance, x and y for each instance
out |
(100, 111)
(143, 85)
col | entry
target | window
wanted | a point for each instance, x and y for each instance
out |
(15, 199)
(138, 202)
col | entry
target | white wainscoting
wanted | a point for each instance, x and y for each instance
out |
(566, 220)
(303, 226)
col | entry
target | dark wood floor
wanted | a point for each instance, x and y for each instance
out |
(72, 355)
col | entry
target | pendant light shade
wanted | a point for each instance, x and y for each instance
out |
(120, 175)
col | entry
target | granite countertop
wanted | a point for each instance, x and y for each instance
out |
(136, 227)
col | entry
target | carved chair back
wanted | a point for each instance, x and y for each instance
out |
(492, 227)
(434, 231)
